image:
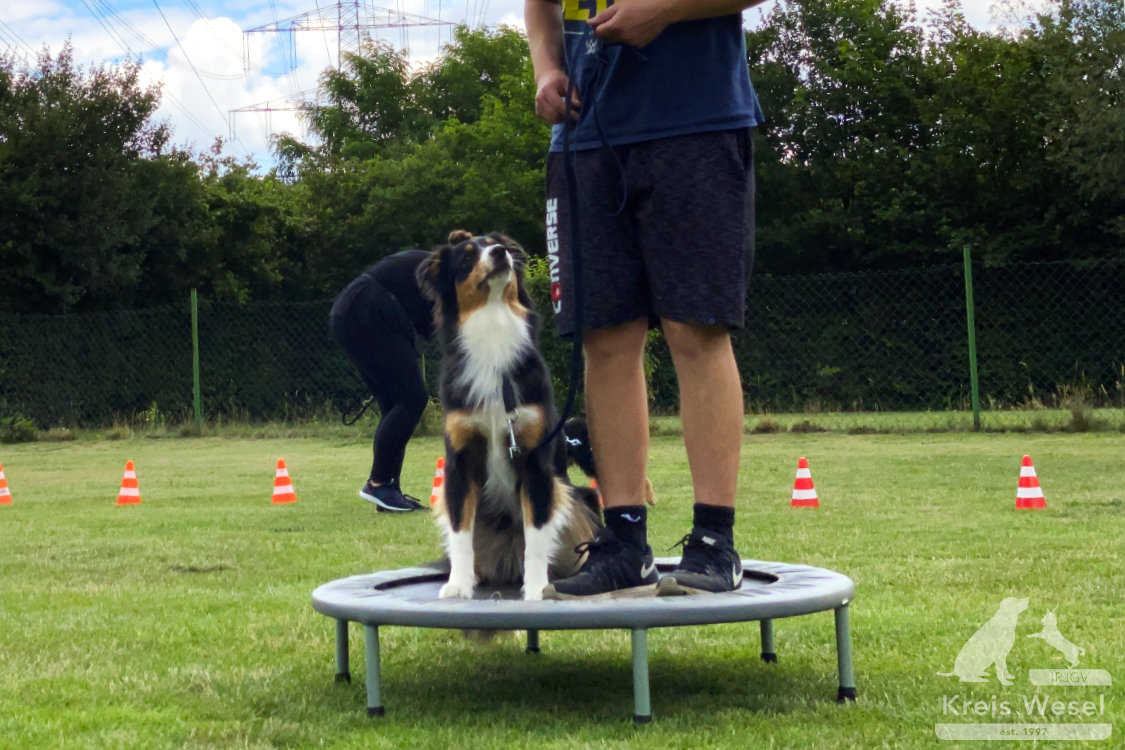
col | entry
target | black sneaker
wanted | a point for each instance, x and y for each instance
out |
(387, 498)
(612, 570)
(710, 564)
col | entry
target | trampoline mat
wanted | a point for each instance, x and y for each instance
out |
(409, 596)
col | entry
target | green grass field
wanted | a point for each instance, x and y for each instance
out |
(185, 622)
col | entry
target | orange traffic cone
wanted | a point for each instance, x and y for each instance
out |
(804, 494)
(594, 487)
(130, 492)
(1029, 495)
(5, 493)
(282, 486)
(439, 480)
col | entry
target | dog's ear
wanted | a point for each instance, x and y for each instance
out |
(428, 271)
(458, 235)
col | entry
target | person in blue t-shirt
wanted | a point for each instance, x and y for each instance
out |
(652, 105)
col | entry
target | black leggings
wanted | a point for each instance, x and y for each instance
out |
(379, 341)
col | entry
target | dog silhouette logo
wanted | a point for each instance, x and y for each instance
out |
(1050, 633)
(989, 646)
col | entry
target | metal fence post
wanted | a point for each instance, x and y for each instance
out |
(197, 396)
(971, 323)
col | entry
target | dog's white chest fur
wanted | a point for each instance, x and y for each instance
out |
(493, 339)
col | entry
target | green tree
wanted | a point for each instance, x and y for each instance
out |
(478, 165)
(72, 143)
(840, 83)
(473, 67)
(1085, 41)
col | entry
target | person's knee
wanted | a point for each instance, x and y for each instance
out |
(416, 401)
(693, 341)
(626, 341)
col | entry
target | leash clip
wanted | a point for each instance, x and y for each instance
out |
(513, 447)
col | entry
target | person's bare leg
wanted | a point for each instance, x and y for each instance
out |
(617, 410)
(710, 408)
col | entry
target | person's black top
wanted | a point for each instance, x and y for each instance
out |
(398, 275)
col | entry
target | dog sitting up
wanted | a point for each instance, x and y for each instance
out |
(508, 512)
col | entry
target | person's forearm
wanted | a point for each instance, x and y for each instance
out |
(692, 10)
(638, 22)
(543, 19)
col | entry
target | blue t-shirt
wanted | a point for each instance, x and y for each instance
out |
(693, 78)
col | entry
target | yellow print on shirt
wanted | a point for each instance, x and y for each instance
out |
(583, 10)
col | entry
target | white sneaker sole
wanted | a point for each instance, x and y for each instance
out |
(636, 592)
(381, 505)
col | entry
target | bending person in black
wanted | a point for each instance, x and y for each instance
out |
(379, 319)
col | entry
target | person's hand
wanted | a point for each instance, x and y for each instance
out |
(550, 97)
(632, 22)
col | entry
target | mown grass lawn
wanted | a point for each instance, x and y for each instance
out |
(185, 622)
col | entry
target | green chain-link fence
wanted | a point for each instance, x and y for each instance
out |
(887, 341)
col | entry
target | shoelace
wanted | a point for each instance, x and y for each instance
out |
(415, 501)
(694, 554)
(597, 543)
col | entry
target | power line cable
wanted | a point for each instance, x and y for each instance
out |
(324, 36)
(194, 6)
(242, 58)
(114, 17)
(16, 43)
(199, 78)
(129, 51)
(104, 23)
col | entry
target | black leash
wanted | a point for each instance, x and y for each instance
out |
(569, 155)
(347, 417)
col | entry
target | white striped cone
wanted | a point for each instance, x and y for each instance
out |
(1029, 495)
(282, 486)
(130, 492)
(5, 493)
(439, 481)
(804, 493)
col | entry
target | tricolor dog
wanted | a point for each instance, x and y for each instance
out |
(508, 512)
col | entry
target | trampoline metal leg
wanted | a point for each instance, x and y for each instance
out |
(642, 708)
(769, 654)
(371, 650)
(533, 641)
(844, 656)
(343, 673)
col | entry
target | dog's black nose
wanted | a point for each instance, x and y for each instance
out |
(497, 252)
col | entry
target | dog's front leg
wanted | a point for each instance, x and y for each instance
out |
(461, 495)
(540, 525)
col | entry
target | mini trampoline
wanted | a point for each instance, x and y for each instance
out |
(409, 596)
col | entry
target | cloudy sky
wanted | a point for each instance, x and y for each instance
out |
(224, 75)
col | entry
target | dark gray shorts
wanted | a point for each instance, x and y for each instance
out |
(667, 231)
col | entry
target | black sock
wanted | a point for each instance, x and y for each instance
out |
(714, 518)
(629, 524)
